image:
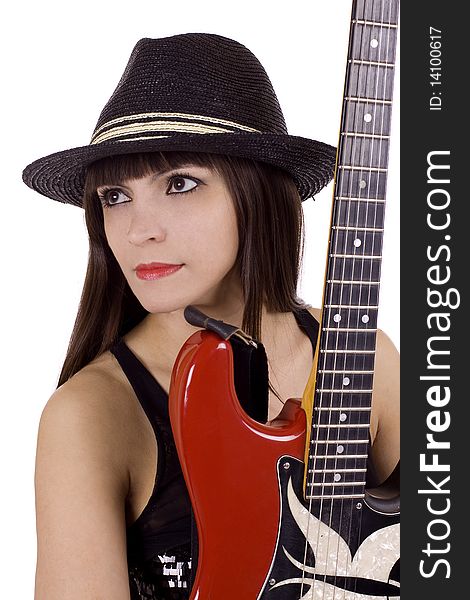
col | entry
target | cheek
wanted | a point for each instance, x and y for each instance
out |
(113, 236)
(214, 240)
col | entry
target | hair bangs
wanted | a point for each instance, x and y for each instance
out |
(118, 169)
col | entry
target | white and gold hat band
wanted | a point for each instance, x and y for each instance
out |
(132, 127)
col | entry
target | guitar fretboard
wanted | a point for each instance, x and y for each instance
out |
(343, 394)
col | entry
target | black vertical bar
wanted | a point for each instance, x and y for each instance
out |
(435, 270)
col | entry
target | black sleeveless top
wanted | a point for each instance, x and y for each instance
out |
(162, 542)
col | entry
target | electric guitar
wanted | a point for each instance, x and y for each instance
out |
(282, 509)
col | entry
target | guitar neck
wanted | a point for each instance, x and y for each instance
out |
(339, 436)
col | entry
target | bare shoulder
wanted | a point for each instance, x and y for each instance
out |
(386, 406)
(94, 403)
(81, 482)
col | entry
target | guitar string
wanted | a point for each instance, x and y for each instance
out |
(357, 151)
(376, 127)
(326, 336)
(350, 125)
(364, 247)
(357, 218)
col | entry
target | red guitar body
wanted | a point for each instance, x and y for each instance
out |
(219, 446)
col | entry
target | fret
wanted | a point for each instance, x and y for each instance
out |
(332, 461)
(356, 268)
(350, 317)
(345, 227)
(337, 470)
(353, 199)
(368, 100)
(347, 361)
(344, 401)
(362, 256)
(345, 391)
(373, 44)
(345, 340)
(364, 153)
(378, 23)
(342, 419)
(365, 135)
(335, 380)
(352, 282)
(333, 497)
(333, 457)
(340, 408)
(342, 306)
(361, 168)
(369, 81)
(336, 478)
(373, 63)
(341, 442)
(354, 372)
(336, 483)
(369, 212)
(325, 431)
(347, 329)
(382, 11)
(352, 243)
(367, 118)
(340, 426)
(355, 292)
(348, 351)
(360, 184)
(327, 478)
(314, 466)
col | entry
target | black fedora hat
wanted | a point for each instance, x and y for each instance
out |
(195, 92)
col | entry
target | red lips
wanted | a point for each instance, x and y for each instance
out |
(155, 270)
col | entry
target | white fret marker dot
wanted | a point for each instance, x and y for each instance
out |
(367, 117)
(337, 477)
(374, 43)
(346, 381)
(343, 417)
(365, 318)
(340, 449)
(362, 184)
(337, 318)
(357, 242)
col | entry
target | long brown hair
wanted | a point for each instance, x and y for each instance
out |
(270, 229)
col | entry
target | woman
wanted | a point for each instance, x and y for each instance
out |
(192, 193)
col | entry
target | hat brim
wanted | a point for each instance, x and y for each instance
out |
(61, 176)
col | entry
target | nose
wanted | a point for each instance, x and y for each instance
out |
(144, 225)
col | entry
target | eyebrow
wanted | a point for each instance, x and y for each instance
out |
(183, 166)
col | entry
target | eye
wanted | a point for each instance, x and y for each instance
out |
(181, 184)
(112, 196)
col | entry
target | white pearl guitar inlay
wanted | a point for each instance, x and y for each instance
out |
(346, 381)
(337, 318)
(337, 477)
(340, 449)
(362, 184)
(365, 318)
(374, 43)
(343, 417)
(367, 117)
(357, 242)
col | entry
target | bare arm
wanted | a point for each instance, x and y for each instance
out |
(386, 407)
(81, 487)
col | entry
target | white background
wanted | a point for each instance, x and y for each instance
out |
(60, 64)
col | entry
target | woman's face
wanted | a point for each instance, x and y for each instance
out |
(183, 218)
